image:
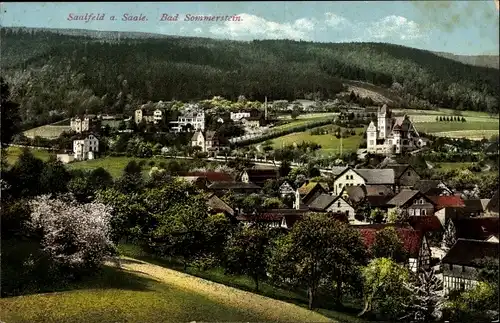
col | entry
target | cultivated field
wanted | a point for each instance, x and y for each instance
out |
(143, 292)
(14, 152)
(48, 131)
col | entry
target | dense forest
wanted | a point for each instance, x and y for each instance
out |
(51, 73)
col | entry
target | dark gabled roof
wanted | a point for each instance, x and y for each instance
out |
(377, 176)
(399, 169)
(425, 185)
(412, 239)
(378, 201)
(291, 219)
(307, 188)
(260, 175)
(219, 205)
(466, 252)
(355, 193)
(425, 223)
(403, 197)
(211, 176)
(492, 206)
(322, 202)
(233, 185)
(378, 190)
(479, 228)
(273, 215)
(473, 205)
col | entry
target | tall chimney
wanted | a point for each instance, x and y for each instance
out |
(265, 108)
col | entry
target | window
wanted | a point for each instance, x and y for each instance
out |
(338, 204)
(409, 173)
(371, 142)
(412, 212)
(424, 212)
(451, 266)
(340, 185)
(347, 177)
(352, 176)
(417, 212)
(347, 213)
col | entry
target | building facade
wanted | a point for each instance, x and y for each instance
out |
(80, 124)
(193, 120)
(86, 148)
(392, 135)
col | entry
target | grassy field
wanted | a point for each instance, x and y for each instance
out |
(470, 134)
(329, 143)
(308, 118)
(14, 152)
(143, 292)
(433, 127)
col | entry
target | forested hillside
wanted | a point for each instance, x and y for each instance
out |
(478, 60)
(50, 73)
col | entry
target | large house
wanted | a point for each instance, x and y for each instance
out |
(81, 124)
(413, 203)
(148, 116)
(259, 176)
(363, 177)
(405, 175)
(86, 148)
(392, 135)
(462, 262)
(208, 141)
(192, 120)
(332, 204)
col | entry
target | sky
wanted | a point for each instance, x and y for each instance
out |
(459, 27)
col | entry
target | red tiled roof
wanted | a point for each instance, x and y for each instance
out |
(447, 201)
(425, 223)
(411, 239)
(212, 176)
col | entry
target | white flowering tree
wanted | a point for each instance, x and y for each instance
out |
(76, 236)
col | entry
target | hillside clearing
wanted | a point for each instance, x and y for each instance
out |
(441, 127)
(143, 292)
(47, 131)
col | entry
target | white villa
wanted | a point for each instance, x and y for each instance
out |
(392, 135)
(237, 116)
(85, 148)
(150, 117)
(191, 120)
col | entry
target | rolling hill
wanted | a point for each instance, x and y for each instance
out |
(73, 71)
(143, 292)
(477, 60)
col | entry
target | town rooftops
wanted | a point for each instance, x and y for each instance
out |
(399, 169)
(475, 205)
(322, 202)
(428, 186)
(210, 176)
(448, 201)
(412, 239)
(425, 223)
(233, 186)
(260, 175)
(479, 228)
(306, 188)
(468, 252)
(403, 197)
(377, 176)
(219, 205)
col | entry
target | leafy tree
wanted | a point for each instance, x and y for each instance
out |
(284, 168)
(383, 287)
(271, 187)
(9, 115)
(377, 216)
(388, 245)
(317, 249)
(397, 215)
(273, 203)
(246, 253)
(132, 178)
(54, 177)
(425, 300)
(24, 176)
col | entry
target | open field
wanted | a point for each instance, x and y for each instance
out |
(469, 134)
(329, 143)
(47, 131)
(143, 292)
(114, 165)
(433, 127)
(313, 117)
(14, 152)
(432, 118)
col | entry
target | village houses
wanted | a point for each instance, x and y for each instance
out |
(86, 148)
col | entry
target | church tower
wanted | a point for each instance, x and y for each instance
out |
(371, 138)
(384, 122)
